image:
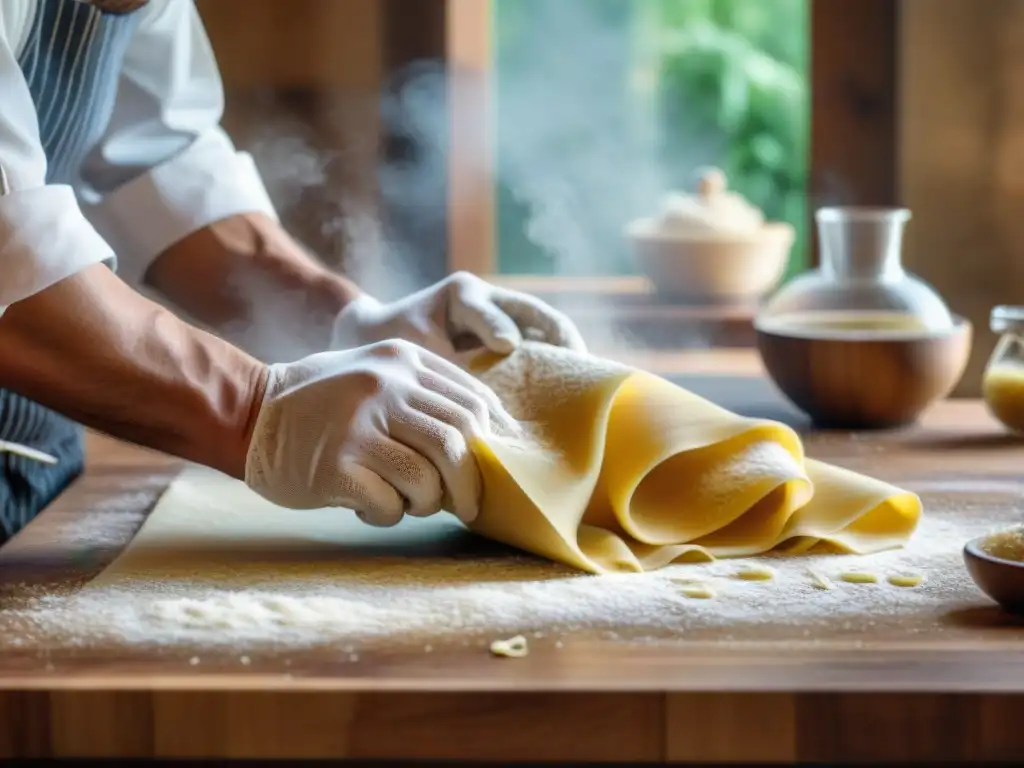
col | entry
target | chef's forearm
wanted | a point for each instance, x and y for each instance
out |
(92, 348)
(246, 278)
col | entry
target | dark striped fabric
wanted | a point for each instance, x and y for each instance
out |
(26, 485)
(71, 60)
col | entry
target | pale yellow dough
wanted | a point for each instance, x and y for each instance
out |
(906, 580)
(858, 577)
(637, 473)
(619, 471)
(515, 648)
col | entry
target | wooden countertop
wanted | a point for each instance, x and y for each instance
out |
(915, 697)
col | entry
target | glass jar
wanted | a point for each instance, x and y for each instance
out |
(861, 284)
(1003, 383)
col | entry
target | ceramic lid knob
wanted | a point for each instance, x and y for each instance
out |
(711, 182)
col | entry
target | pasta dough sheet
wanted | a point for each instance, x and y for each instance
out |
(624, 471)
(618, 470)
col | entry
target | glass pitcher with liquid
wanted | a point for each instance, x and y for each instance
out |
(860, 342)
(861, 284)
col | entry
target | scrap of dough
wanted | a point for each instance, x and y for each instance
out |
(858, 577)
(819, 581)
(620, 471)
(906, 580)
(755, 573)
(513, 648)
(698, 591)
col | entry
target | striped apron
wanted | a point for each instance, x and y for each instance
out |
(71, 61)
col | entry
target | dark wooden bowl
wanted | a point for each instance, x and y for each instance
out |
(864, 380)
(1002, 580)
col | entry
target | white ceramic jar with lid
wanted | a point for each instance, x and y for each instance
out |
(711, 247)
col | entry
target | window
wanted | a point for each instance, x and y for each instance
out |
(602, 106)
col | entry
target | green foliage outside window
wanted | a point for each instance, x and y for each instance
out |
(682, 83)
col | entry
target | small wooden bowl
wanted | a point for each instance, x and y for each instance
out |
(712, 270)
(863, 380)
(1002, 580)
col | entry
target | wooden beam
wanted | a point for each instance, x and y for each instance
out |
(853, 104)
(472, 188)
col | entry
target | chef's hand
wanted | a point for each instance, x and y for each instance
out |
(462, 305)
(383, 430)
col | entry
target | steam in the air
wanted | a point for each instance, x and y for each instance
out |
(575, 147)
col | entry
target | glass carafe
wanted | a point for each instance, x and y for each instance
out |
(861, 284)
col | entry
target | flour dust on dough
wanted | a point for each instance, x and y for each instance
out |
(617, 470)
(624, 471)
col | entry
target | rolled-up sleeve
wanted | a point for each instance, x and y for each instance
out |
(164, 168)
(44, 237)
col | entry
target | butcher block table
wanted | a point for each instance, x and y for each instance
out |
(924, 696)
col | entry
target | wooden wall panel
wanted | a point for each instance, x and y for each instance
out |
(962, 155)
(302, 81)
(298, 43)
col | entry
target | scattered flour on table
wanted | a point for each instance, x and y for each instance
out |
(99, 529)
(460, 599)
(465, 600)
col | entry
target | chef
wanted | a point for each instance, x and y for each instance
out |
(111, 156)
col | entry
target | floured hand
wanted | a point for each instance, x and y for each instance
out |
(462, 305)
(384, 430)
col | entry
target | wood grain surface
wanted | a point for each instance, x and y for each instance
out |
(940, 696)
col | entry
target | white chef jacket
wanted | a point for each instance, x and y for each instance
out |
(162, 169)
